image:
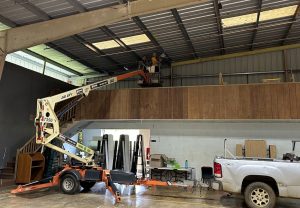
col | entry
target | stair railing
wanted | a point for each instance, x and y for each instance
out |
(65, 114)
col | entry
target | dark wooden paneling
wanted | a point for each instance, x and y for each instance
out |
(274, 104)
(229, 101)
(246, 111)
(134, 103)
(293, 100)
(263, 102)
(194, 103)
(165, 103)
(283, 101)
(259, 101)
(296, 100)
(177, 103)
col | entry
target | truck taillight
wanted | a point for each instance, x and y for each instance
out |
(218, 170)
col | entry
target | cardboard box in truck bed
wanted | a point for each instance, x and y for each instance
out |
(256, 148)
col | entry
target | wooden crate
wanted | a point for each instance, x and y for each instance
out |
(256, 148)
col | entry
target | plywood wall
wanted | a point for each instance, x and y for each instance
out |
(257, 101)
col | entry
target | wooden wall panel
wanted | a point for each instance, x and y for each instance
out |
(229, 101)
(266, 112)
(177, 103)
(264, 102)
(99, 106)
(165, 103)
(246, 111)
(185, 103)
(194, 103)
(297, 99)
(293, 101)
(259, 101)
(274, 104)
(115, 106)
(209, 102)
(220, 100)
(283, 101)
(149, 104)
(134, 104)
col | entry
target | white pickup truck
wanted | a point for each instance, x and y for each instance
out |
(261, 181)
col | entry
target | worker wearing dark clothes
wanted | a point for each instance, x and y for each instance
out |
(144, 64)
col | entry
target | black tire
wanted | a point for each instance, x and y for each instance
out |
(87, 185)
(69, 184)
(260, 195)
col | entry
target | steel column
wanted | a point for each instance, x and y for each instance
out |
(285, 65)
(219, 25)
(291, 25)
(256, 24)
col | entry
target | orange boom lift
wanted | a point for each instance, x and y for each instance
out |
(72, 177)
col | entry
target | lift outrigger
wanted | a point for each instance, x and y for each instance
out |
(86, 175)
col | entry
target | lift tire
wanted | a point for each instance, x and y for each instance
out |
(69, 184)
(259, 195)
(87, 185)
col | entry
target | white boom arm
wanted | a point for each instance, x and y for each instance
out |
(47, 123)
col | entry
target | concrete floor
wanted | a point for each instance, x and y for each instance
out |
(98, 197)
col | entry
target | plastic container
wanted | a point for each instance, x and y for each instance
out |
(186, 164)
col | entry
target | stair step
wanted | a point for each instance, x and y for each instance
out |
(7, 182)
(7, 170)
(7, 176)
(10, 164)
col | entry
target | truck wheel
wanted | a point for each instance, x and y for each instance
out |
(260, 195)
(87, 185)
(69, 184)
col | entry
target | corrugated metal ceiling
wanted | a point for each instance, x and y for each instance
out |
(200, 22)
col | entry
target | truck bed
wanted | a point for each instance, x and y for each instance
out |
(233, 172)
(257, 159)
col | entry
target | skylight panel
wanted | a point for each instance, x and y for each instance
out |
(106, 44)
(136, 39)
(278, 13)
(239, 20)
(264, 16)
(131, 40)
